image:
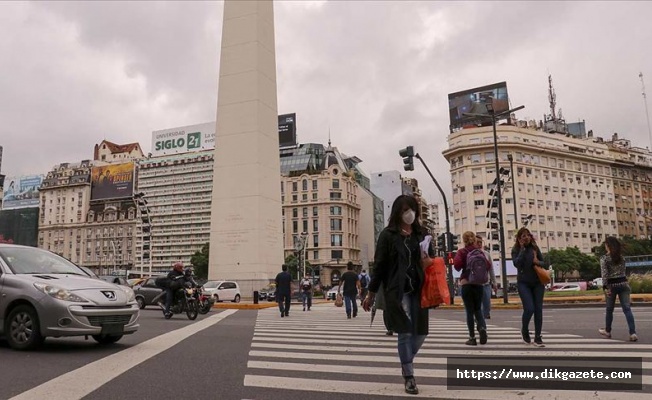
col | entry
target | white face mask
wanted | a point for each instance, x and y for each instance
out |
(409, 216)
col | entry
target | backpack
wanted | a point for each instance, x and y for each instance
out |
(305, 285)
(364, 281)
(162, 282)
(476, 263)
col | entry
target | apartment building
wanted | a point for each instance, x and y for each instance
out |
(569, 191)
(177, 190)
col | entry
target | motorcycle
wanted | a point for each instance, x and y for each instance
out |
(204, 302)
(183, 301)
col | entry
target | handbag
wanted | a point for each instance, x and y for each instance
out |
(543, 274)
(339, 301)
(435, 288)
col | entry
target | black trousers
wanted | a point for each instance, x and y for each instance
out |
(283, 303)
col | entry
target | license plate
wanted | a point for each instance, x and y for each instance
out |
(112, 329)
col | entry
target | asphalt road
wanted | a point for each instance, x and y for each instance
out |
(249, 354)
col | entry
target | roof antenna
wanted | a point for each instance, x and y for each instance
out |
(647, 114)
(329, 136)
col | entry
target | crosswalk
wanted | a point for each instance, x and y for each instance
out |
(322, 351)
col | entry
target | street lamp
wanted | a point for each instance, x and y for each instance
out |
(501, 228)
(511, 169)
(146, 229)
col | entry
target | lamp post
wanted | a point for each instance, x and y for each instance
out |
(146, 229)
(501, 228)
(511, 170)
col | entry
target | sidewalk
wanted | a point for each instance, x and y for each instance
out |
(638, 300)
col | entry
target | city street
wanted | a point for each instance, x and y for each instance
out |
(251, 354)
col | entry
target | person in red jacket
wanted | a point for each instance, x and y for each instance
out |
(471, 293)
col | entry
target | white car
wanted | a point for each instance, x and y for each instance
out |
(567, 287)
(223, 290)
(331, 294)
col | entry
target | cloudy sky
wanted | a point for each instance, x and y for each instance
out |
(376, 74)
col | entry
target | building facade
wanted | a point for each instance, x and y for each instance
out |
(568, 191)
(388, 185)
(177, 189)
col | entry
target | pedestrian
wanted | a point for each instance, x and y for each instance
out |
(490, 286)
(399, 268)
(283, 290)
(364, 285)
(526, 255)
(306, 292)
(612, 266)
(350, 287)
(471, 260)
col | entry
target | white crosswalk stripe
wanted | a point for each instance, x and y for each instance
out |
(322, 351)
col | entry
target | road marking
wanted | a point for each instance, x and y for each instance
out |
(81, 382)
(425, 391)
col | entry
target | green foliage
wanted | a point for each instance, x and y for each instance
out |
(293, 263)
(565, 262)
(641, 283)
(199, 261)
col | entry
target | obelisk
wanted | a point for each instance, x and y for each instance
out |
(246, 241)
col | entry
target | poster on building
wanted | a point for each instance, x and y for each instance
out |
(21, 192)
(474, 101)
(112, 181)
(287, 130)
(183, 139)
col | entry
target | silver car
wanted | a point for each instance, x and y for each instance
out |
(42, 294)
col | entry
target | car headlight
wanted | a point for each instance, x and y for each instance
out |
(59, 294)
(131, 295)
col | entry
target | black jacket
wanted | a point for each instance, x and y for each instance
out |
(390, 265)
(523, 259)
(283, 283)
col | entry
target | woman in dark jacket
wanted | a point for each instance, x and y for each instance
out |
(399, 268)
(612, 266)
(526, 255)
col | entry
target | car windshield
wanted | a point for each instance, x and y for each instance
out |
(28, 260)
(211, 284)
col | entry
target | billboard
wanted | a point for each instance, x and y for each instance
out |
(287, 130)
(474, 101)
(112, 181)
(183, 139)
(21, 192)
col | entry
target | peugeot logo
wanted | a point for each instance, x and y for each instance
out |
(109, 295)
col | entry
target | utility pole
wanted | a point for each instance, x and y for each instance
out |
(647, 114)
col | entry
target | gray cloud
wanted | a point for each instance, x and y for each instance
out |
(376, 74)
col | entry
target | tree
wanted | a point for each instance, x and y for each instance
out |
(199, 261)
(293, 263)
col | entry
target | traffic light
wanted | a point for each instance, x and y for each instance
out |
(441, 242)
(455, 240)
(408, 158)
(451, 257)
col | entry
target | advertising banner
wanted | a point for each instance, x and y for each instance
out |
(21, 192)
(474, 101)
(287, 130)
(183, 139)
(112, 181)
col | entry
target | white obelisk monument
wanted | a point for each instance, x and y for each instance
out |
(246, 241)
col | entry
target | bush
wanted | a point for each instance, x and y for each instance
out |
(641, 283)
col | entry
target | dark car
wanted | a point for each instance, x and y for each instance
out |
(146, 292)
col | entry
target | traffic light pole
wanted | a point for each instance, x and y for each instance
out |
(449, 240)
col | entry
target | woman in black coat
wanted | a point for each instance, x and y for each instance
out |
(398, 267)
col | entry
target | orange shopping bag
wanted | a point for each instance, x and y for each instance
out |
(435, 288)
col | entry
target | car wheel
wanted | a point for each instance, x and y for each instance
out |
(237, 298)
(141, 303)
(22, 329)
(107, 339)
(216, 297)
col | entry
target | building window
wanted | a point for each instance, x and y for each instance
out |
(305, 212)
(315, 240)
(314, 211)
(315, 255)
(336, 183)
(295, 226)
(304, 184)
(336, 224)
(294, 186)
(336, 240)
(315, 225)
(305, 225)
(336, 196)
(336, 254)
(336, 210)
(314, 196)
(295, 213)
(314, 184)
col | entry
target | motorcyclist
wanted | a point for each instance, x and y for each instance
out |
(173, 277)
